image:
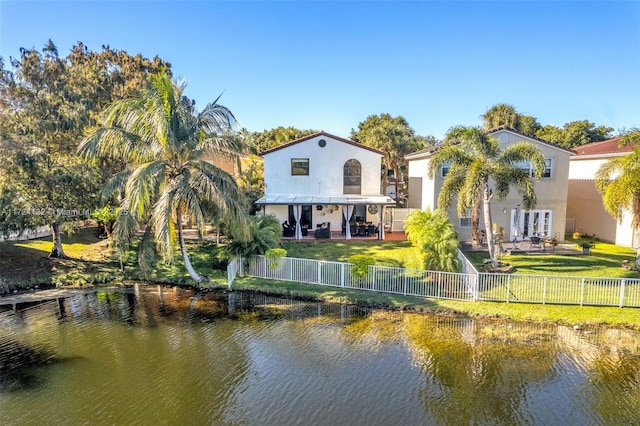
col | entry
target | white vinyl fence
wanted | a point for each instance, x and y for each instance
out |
(470, 285)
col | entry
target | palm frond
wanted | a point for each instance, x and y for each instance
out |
(143, 186)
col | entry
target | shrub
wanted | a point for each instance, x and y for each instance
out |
(361, 263)
(436, 238)
(273, 255)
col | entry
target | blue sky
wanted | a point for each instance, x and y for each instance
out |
(328, 65)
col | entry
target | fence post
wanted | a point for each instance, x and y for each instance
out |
(582, 292)
(342, 275)
(372, 271)
(623, 283)
(404, 282)
(508, 287)
(544, 291)
(319, 279)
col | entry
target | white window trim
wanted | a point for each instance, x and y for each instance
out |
(445, 166)
(465, 217)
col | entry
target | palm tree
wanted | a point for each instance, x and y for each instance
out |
(501, 115)
(436, 237)
(618, 180)
(161, 139)
(481, 170)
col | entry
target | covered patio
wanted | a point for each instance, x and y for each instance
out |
(346, 204)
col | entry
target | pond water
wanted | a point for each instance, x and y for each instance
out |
(164, 356)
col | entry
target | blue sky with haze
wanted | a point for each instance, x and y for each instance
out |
(328, 65)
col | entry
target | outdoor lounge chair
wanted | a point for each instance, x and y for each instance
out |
(323, 230)
(536, 242)
(288, 230)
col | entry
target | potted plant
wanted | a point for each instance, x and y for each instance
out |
(585, 241)
(586, 246)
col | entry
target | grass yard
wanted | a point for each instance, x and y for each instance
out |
(398, 254)
(25, 264)
(605, 260)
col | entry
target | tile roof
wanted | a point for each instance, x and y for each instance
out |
(322, 133)
(608, 147)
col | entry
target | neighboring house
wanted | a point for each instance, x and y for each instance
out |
(585, 209)
(324, 179)
(546, 219)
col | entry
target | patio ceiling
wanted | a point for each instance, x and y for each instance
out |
(339, 200)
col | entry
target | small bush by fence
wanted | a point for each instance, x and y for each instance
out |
(551, 289)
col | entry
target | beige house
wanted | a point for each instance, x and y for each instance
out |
(585, 210)
(547, 219)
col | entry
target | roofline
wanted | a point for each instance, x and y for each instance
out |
(551, 144)
(603, 155)
(428, 151)
(321, 133)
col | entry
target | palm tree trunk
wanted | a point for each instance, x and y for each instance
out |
(475, 221)
(56, 250)
(185, 257)
(486, 201)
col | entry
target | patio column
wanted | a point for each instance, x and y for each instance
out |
(381, 222)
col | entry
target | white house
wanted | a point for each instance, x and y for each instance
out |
(324, 181)
(548, 217)
(585, 210)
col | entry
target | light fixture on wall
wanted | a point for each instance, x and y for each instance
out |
(504, 211)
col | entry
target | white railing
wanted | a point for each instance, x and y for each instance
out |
(412, 282)
(233, 269)
(560, 289)
(471, 285)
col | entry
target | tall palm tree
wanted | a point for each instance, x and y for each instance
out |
(618, 180)
(161, 139)
(501, 115)
(480, 169)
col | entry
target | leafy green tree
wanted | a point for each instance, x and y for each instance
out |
(476, 158)
(251, 181)
(258, 142)
(618, 180)
(46, 104)
(436, 237)
(394, 137)
(161, 138)
(575, 133)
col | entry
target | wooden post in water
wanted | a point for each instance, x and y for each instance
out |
(61, 309)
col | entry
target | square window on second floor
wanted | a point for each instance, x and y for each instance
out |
(526, 166)
(299, 167)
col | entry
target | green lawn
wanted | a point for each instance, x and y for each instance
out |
(605, 260)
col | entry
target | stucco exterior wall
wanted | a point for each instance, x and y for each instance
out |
(426, 199)
(551, 192)
(585, 206)
(325, 168)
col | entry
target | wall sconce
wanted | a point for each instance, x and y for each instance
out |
(504, 211)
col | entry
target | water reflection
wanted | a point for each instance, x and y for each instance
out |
(171, 356)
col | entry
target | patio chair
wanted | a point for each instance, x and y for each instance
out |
(288, 230)
(536, 242)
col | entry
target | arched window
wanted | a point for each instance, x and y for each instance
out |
(352, 177)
